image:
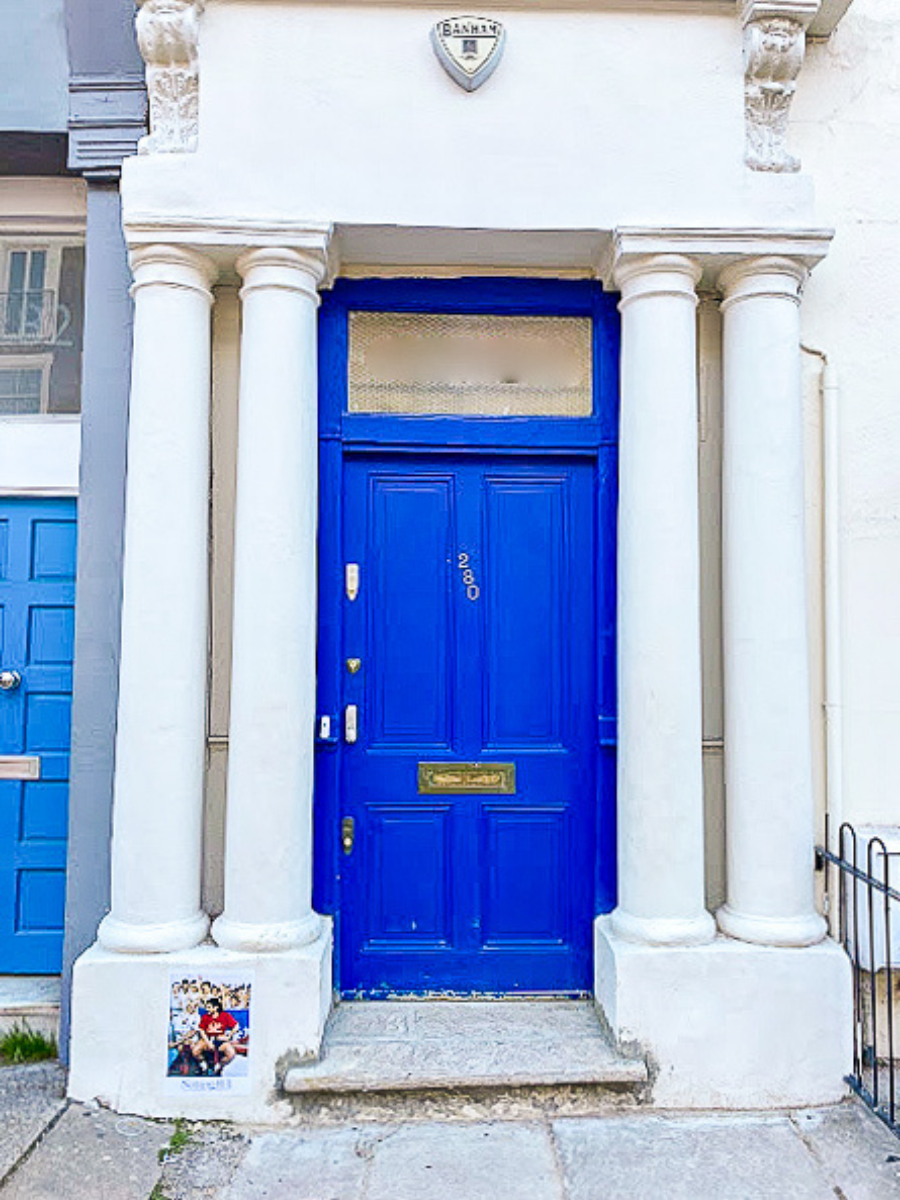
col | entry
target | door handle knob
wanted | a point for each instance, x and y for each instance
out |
(9, 680)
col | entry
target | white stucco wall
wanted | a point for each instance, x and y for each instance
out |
(39, 456)
(593, 119)
(847, 128)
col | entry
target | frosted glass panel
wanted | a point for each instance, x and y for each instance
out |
(469, 364)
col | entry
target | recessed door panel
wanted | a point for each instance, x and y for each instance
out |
(525, 905)
(525, 579)
(409, 874)
(410, 639)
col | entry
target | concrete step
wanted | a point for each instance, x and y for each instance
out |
(530, 1051)
(31, 1000)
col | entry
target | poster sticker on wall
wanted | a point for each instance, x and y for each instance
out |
(209, 1031)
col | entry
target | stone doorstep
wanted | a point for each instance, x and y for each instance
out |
(465, 1046)
(31, 1000)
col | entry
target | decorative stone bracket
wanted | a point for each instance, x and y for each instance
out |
(774, 45)
(168, 33)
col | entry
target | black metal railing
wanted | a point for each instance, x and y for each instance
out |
(30, 317)
(864, 912)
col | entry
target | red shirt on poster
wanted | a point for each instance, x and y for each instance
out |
(217, 1024)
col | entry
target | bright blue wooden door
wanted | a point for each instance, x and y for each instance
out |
(37, 598)
(474, 624)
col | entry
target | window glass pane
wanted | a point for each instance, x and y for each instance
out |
(37, 269)
(470, 364)
(17, 262)
(65, 376)
(20, 390)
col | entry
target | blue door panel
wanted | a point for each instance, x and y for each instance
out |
(37, 595)
(45, 808)
(53, 549)
(51, 636)
(523, 641)
(526, 905)
(409, 905)
(474, 624)
(409, 684)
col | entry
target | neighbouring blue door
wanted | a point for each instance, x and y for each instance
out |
(474, 626)
(37, 598)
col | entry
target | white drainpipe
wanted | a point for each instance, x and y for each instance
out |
(834, 697)
(834, 683)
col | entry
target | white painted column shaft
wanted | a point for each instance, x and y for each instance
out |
(768, 746)
(268, 854)
(161, 732)
(660, 769)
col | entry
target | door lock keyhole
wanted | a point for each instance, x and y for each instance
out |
(348, 833)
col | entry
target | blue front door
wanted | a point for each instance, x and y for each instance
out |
(37, 596)
(473, 626)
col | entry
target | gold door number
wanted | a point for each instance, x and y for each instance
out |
(473, 591)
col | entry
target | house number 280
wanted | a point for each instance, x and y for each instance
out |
(473, 591)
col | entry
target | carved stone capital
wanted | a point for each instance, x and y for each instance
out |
(802, 11)
(168, 32)
(773, 55)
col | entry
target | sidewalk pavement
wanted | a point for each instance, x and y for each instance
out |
(52, 1150)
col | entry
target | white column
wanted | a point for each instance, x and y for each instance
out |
(660, 769)
(768, 747)
(268, 855)
(161, 732)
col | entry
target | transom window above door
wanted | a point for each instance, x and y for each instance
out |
(471, 364)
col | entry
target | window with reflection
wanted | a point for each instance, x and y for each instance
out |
(41, 321)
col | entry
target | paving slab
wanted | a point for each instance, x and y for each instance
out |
(688, 1158)
(91, 1154)
(859, 1154)
(203, 1168)
(474, 1162)
(30, 1098)
(310, 1165)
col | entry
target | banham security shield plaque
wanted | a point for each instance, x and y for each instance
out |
(468, 48)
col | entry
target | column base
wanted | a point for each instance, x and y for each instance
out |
(730, 1025)
(772, 931)
(662, 931)
(263, 939)
(119, 1049)
(163, 938)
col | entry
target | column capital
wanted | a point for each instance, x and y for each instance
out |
(772, 276)
(801, 11)
(284, 267)
(713, 248)
(172, 266)
(641, 275)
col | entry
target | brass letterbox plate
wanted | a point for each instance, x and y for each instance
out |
(20, 766)
(445, 778)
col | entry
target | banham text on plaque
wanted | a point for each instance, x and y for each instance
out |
(468, 48)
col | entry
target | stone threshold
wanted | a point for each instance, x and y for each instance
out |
(405, 1046)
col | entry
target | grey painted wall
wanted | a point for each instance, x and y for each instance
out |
(101, 506)
(33, 66)
(107, 116)
(101, 38)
